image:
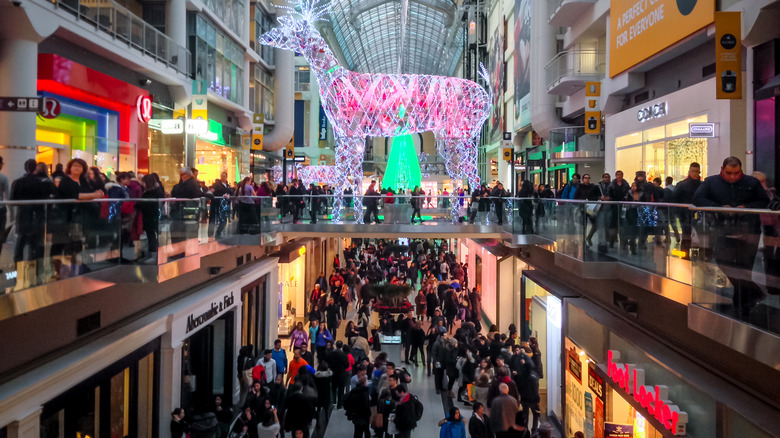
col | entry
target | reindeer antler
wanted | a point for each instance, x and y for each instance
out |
(308, 10)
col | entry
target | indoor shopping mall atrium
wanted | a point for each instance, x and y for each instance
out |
(389, 218)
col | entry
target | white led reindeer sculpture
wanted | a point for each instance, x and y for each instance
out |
(360, 105)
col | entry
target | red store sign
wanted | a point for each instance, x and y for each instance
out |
(655, 399)
(143, 108)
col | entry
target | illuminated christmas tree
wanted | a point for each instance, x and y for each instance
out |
(403, 169)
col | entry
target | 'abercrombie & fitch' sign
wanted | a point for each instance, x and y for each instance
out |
(195, 321)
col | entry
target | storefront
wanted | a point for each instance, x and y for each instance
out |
(207, 352)
(102, 119)
(217, 151)
(621, 382)
(541, 316)
(292, 287)
(655, 136)
(121, 400)
(206, 333)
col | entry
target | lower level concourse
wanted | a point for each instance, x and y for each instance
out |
(323, 337)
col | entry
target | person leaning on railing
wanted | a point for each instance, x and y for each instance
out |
(736, 235)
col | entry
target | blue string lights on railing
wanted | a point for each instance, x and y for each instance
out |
(361, 105)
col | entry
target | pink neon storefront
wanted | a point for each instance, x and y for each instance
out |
(619, 382)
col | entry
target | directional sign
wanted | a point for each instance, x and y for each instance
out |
(20, 104)
(48, 107)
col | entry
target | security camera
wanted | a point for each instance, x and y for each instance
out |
(143, 82)
(16, 3)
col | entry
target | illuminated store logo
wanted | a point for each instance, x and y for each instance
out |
(196, 126)
(143, 109)
(701, 130)
(653, 112)
(655, 399)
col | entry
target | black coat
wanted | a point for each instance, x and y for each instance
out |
(187, 189)
(480, 428)
(716, 192)
(684, 190)
(339, 362)
(300, 412)
(358, 405)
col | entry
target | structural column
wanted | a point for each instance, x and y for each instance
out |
(18, 77)
(28, 427)
(176, 21)
(170, 383)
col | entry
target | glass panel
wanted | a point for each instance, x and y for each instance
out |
(629, 139)
(654, 134)
(629, 161)
(654, 161)
(120, 404)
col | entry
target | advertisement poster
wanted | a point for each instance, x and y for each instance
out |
(639, 30)
(615, 430)
(522, 57)
(589, 415)
(598, 418)
(496, 71)
(575, 405)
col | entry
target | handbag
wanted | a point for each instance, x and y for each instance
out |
(247, 376)
(378, 421)
(592, 209)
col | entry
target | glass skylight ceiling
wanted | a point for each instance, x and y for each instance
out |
(369, 34)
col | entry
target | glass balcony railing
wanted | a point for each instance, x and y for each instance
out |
(576, 65)
(122, 25)
(730, 257)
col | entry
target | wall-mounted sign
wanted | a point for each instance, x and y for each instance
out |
(595, 382)
(728, 55)
(216, 309)
(574, 364)
(200, 103)
(196, 126)
(299, 158)
(701, 130)
(143, 108)
(615, 430)
(641, 28)
(653, 112)
(593, 109)
(172, 126)
(654, 399)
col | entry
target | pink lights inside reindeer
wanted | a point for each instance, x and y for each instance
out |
(359, 105)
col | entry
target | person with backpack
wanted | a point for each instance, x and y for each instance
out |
(358, 408)
(454, 426)
(408, 412)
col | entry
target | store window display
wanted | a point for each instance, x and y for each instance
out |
(662, 151)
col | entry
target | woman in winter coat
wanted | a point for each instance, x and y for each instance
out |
(479, 392)
(454, 426)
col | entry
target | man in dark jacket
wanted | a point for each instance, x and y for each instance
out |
(479, 424)
(618, 191)
(371, 201)
(498, 194)
(358, 408)
(683, 194)
(297, 192)
(300, 411)
(30, 218)
(339, 362)
(188, 187)
(736, 235)
(405, 413)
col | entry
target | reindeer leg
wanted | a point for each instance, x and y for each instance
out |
(446, 148)
(357, 146)
(342, 161)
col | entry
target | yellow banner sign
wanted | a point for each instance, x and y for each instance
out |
(728, 55)
(641, 28)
